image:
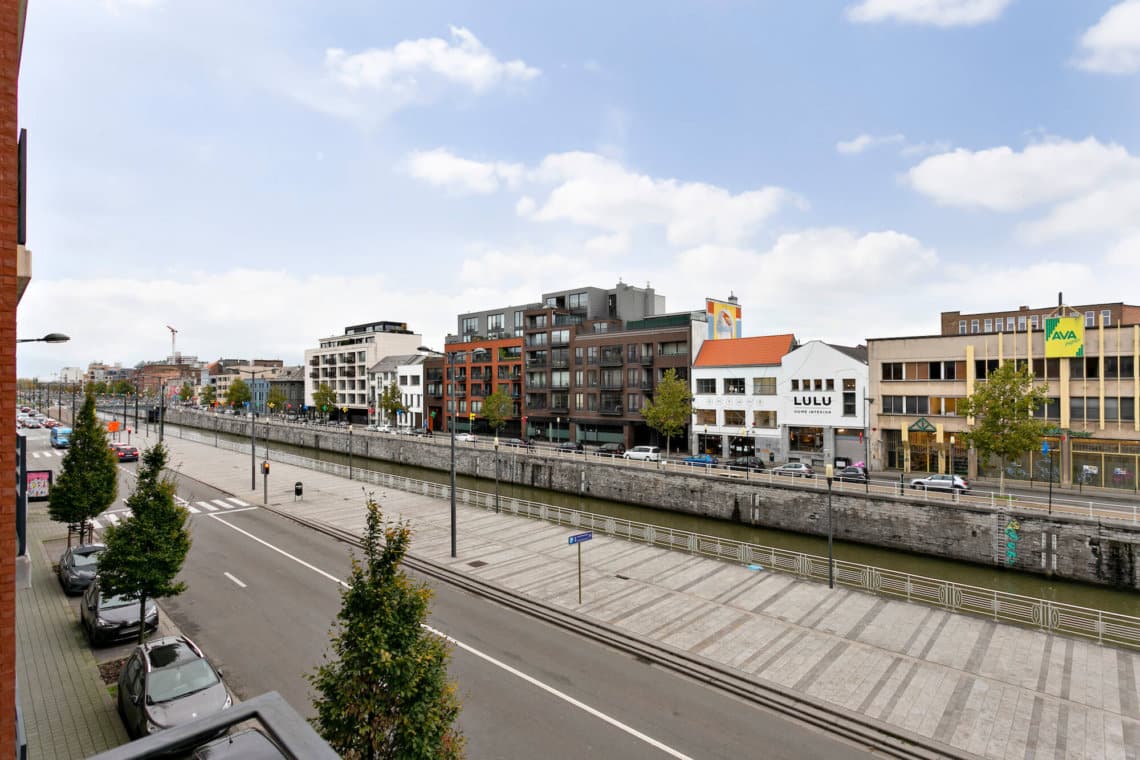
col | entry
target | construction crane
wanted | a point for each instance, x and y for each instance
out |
(173, 355)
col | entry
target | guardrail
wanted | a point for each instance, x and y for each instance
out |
(1054, 617)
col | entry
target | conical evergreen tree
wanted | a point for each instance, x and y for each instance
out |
(386, 694)
(88, 479)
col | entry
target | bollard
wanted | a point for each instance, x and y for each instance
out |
(298, 491)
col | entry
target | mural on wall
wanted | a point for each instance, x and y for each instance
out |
(1012, 537)
(723, 319)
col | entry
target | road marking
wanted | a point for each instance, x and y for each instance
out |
(223, 504)
(235, 580)
(207, 507)
(190, 509)
(112, 518)
(236, 501)
(484, 656)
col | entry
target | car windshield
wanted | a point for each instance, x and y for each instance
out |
(112, 602)
(85, 560)
(180, 679)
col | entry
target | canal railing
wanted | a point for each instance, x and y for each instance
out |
(999, 606)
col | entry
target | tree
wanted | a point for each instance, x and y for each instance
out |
(238, 393)
(100, 388)
(670, 408)
(1002, 408)
(145, 552)
(88, 479)
(390, 402)
(276, 399)
(497, 408)
(121, 388)
(386, 693)
(186, 392)
(209, 395)
(324, 398)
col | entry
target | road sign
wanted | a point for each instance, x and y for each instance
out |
(580, 537)
(1045, 447)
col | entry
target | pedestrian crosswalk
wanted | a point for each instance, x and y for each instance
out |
(116, 516)
(47, 454)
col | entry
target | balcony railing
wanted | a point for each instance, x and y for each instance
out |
(612, 360)
(560, 385)
(315, 374)
(646, 386)
(646, 359)
(535, 363)
(315, 361)
(560, 406)
(612, 385)
(560, 363)
(610, 411)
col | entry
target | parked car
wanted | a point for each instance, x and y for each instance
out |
(795, 470)
(745, 463)
(125, 452)
(466, 437)
(168, 682)
(644, 453)
(77, 567)
(572, 447)
(518, 443)
(249, 744)
(941, 483)
(853, 474)
(610, 450)
(700, 459)
(111, 618)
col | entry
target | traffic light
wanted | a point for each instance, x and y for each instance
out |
(265, 468)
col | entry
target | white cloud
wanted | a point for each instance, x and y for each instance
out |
(942, 13)
(525, 206)
(442, 168)
(1001, 179)
(1112, 45)
(864, 142)
(400, 70)
(1114, 206)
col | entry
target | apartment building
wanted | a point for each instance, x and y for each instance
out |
(473, 371)
(405, 371)
(1093, 429)
(342, 361)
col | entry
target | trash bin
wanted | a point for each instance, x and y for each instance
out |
(298, 489)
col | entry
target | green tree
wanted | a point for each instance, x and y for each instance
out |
(209, 395)
(276, 400)
(145, 552)
(669, 410)
(186, 392)
(1002, 406)
(100, 388)
(324, 399)
(88, 479)
(121, 388)
(497, 409)
(386, 693)
(391, 402)
(238, 393)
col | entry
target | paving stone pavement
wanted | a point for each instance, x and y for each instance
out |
(988, 689)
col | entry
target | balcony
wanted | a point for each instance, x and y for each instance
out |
(329, 361)
(610, 411)
(560, 385)
(560, 363)
(536, 363)
(646, 386)
(315, 361)
(315, 375)
(562, 407)
(612, 360)
(646, 360)
(612, 385)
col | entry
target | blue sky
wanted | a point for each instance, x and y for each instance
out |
(261, 174)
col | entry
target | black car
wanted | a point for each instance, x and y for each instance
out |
(168, 682)
(852, 474)
(610, 450)
(517, 443)
(111, 618)
(570, 446)
(77, 567)
(745, 463)
(125, 452)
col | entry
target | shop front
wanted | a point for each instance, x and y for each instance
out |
(805, 442)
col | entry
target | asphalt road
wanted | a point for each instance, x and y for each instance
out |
(261, 601)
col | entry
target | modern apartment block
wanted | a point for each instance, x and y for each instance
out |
(342, 362)
(474, 370)
(405, 371)
(1094, 431)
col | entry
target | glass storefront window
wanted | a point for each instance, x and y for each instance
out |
(805, 439)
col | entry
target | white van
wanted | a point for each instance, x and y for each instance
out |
(644, 453)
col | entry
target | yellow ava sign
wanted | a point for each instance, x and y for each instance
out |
(1064, 337)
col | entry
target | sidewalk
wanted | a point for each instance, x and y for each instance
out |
(982, 688)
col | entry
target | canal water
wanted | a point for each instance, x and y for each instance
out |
(991, 577)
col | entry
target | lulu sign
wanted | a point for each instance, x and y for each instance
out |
(1064, 337)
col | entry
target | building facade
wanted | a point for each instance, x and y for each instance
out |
(405, 371)
(342, 362)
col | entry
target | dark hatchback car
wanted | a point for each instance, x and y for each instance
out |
(126, 452)
(745, 463)
(610, 450)
(518, 443)
(570, 446)
(77, 567)
(852, 475)
(111, 618)
(168, 682)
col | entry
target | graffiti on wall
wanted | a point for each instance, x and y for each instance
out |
(1012, 537)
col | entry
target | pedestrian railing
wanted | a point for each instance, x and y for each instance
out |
(1054, 617)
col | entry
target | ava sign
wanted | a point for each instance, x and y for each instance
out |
(1064, 337)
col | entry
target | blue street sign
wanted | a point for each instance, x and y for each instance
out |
(1045, 447)
(580, 537)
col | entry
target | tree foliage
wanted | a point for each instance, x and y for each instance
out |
(209, 394)
(238, 393)
(386, 693)
(669, 410)
(391, 402)
(497, 409)
(1002, 406)
(88, 479)
(145, 552)
(186, 392)
(276, 399)
(324, 398)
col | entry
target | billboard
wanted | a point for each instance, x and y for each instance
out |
(38, 484)
(723, 318)
(1064, 337)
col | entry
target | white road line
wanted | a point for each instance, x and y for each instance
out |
(488, 658)
(190, 509)
(235, 511)
(235, 580)
(112, 518)
(95, 524)
(221, 503)
(237, 502)
(207, 507)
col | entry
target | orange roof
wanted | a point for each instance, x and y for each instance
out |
(736, 352)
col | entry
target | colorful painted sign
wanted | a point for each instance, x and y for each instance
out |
(1064, 337)
(723, 318)
(1012, 537)
(39, 484)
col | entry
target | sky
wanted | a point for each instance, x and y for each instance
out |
(261, 174)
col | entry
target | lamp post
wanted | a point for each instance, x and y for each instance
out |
(161, 409)
(49, 338)
(350, 452)
(451, 429)
(951, 464)
(867, 401)
(252, 429)
(830, 562)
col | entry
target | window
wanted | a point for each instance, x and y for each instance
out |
(518, 319)
(560, 336)
(983, 367)
(674, 348)
(818, 384)
(578, 354)
(1106, 317)
(830, 383)
(734, 417)
(974, 326)
(765, 419)
(1021, 324)
(470, 325)
(989, 325)
(1076, 408)
(579, 401)
(1009, 324)
(706, 385)
(632, 377)
(601, 327)
(848, 404)
(734, 386)
(848, 383)
(1111, 368)
(892, 404)
(705, 416)
(891, 371)
(496, 322)
(578, 300)
(592, 402)
(795, 385)
(917, 405)
(962, 327)
(764, 386)
(579, 377)
(1033, 321)
(1127, 410)
(1111, 410)
(634, 402)
(1090, 319)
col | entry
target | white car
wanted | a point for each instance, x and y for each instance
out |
(468, 437)
(941, 483)
(644, 453)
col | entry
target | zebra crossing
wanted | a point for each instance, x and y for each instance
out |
(115, 517)
(47, 454)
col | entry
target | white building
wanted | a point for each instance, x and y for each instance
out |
(769, 397)
(342, 361)
(407, 372)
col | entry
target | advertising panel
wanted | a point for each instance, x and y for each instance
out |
(723, 318)
(39, 484)
(1064, 337)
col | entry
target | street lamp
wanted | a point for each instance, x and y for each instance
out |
(830, 562)
(49, 338)
(867, 401)
(451, 428)
(252, 429)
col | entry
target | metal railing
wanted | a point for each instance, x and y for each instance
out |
(999, 606)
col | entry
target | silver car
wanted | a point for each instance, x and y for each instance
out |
(644, 453)
(941, 483)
